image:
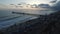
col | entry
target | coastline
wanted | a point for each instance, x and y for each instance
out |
(41, 25)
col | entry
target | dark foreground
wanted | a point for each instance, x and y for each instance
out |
(47, 24)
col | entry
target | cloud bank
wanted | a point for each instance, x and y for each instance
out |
(23, 6)
(53, 1)
(44, 5)
(56, 6)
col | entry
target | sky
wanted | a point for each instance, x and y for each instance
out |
(8, 2)
(25, 1)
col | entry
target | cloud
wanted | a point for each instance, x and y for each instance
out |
(44, 5)
(53, 1)
(56, 6)
(3, 6)
(34, 6)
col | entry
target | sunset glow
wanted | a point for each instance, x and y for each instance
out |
(26, 4)
(34, 2)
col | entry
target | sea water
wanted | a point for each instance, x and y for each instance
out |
(7, 18)
(7, 13)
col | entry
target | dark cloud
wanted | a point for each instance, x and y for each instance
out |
(32, 6)
(44, 5)
(53, 1)
(56, 6)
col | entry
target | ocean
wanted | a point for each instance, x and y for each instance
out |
(7, 18)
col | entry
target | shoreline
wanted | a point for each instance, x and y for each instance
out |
(42, 25)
